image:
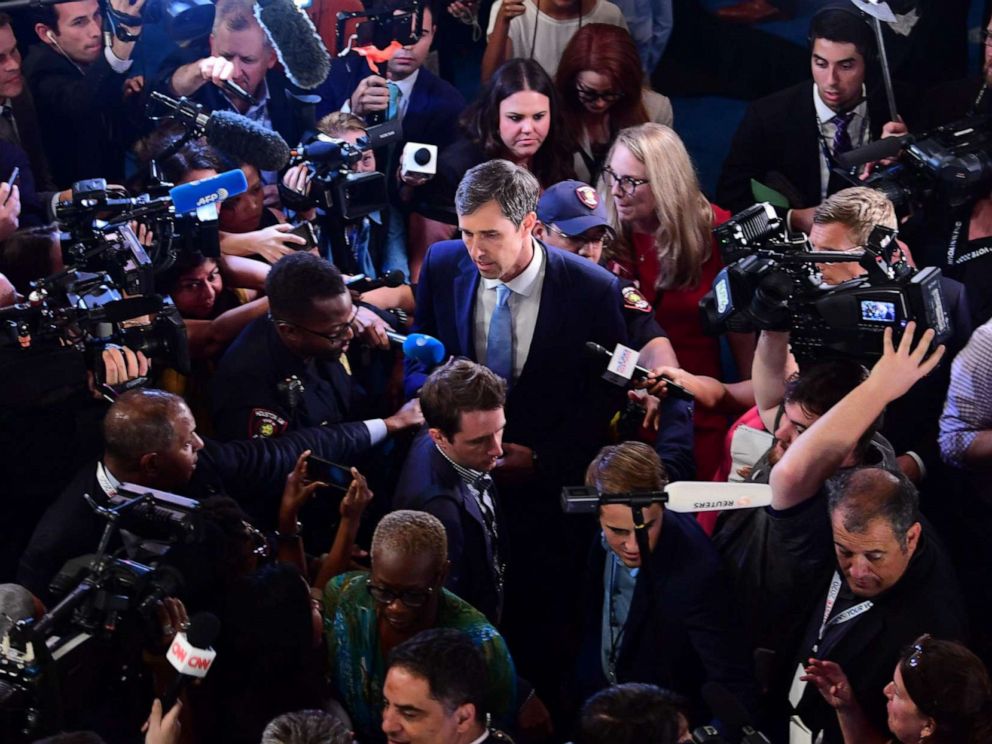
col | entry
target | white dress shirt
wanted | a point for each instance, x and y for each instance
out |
(858, 129)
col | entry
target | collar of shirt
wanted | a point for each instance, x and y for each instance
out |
(824, 113)
(471, 477)
(525, 282)
(485, 735)
(107, 481)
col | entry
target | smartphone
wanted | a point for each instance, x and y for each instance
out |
(677, 391)
(304, 230)
(12, 181)
(325, 471)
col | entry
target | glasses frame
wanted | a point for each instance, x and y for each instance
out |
(334, 338)
(403, 596)
(627, 184)
(588, 95)
(606, 241)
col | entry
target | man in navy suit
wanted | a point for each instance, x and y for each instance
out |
(447, 474)
(661, 616)
(500, 297)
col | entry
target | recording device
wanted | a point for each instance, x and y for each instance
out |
(419, 347)
(770, 282)
(339, 192)
(67, 322)
(325, 471)
(12, 181)
(304, 230)
(950, 165)
(91, 640)
(236, 136)
(733, 715)
(380, 27)
(299, 48)
(184, 20)
(418, 159)
(361, 283)
(637, 372)
(191, 655)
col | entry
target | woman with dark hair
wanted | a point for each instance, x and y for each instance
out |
(602, 90)
(940, 693)
(517, 117)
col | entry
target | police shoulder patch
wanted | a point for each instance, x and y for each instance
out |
(633, 299)
(265, 423)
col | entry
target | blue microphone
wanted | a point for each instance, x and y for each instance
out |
(191, 196)
(420, 347)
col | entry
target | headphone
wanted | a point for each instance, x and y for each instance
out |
(872, 45)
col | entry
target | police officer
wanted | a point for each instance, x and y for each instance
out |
(572, 217)
(288, 370)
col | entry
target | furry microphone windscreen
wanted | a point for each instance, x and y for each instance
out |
(246, 141)
(296, 42)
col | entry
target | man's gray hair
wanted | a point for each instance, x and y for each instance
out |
(863, 495)
(16, 603)
(513, 188)
(306, 727)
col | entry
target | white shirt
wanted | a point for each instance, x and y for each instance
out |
(858, 129)
(525, 303)
(553, 35)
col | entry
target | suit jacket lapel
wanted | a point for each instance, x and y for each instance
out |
(551, 314)
(465, 285)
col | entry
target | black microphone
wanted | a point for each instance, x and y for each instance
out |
(233, 134)
(236, 90)
(296, 42)
(725, 706)
(362, 283)
(886, 147)
(640, 373)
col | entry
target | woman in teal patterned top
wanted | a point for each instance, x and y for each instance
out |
(366, 614)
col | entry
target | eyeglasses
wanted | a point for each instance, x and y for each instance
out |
(584, 239)
(588, 95)
(412, 598)
(334, 338)
(627, 184)
(917, 656)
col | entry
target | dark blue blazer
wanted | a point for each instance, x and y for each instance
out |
(560, 406)
(429, 483)
(681, 630)
(431, 116)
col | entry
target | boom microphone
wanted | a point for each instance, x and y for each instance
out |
(419, 346)
(298, 46)
(361, 283)
(191, 655)
(233, 134)
(681, 496)
(191, 196)
(887, 147)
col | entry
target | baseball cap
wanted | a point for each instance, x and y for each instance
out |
(573, 207)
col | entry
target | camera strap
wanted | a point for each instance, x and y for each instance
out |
(953, 259)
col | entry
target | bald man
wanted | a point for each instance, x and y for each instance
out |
(150, 439)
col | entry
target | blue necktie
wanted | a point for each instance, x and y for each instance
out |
(499, 346)
(842, 138)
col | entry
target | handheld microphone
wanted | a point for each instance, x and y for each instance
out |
(419, 347)
(233, 134)
(191, 655)
(298, 46)
(725, 706)
(236, 90)
(640, 373)
(361, 283)
(189, 197)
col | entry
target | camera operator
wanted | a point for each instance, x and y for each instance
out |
(790, 140)
(896, 580)
(239, 51)
(843, 224)
(78, 85)
(665, 618)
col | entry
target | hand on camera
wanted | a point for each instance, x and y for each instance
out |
(372, 94)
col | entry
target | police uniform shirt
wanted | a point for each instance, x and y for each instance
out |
(262, 389)
(638, 314)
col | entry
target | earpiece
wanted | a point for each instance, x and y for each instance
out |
(51, 37)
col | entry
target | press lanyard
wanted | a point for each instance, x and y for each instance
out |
(841, 618)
